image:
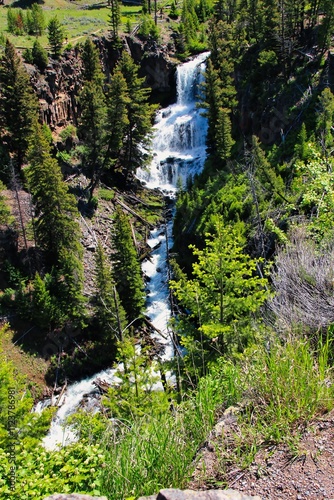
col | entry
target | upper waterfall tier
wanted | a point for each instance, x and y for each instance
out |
(180, 131)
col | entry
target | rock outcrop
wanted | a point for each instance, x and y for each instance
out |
(58, 86)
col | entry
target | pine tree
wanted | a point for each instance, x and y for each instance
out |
(109, 311)
(91, 63)
(55, 208)
(18, 104)
(35, 20)
(39, 56)
(223, 292)
(118, 101)
(140, 115)
(114, 18)
(91, 129)
(55, 36)
(126, 268)
(324, 120)
(224, 141)
(57, 231)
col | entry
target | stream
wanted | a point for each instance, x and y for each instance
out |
(179, 152)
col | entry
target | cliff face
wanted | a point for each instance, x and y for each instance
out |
(57, 88)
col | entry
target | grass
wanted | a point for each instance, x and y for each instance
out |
(157, 452)
(277, 393)
(79, 20)
(106, 194)
(283, 390)
(32, 366)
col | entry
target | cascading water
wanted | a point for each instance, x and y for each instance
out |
(180, 132)
(179, 152)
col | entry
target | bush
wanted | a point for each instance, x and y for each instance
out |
(69, 132)
(27, 56)
(148, 28)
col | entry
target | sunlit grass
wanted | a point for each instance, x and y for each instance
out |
(79, 21)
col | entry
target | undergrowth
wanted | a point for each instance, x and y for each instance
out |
(276, 393)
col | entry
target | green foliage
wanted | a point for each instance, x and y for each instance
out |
(91, 63)
(148, 28)
(15, 21)
(221, 297)
(118, 101)
(35, 21)
(325, 119)
(27, 56)
(314, 185)
(5, 215)
(55, 36)
(39, 56)
(109, 312)
(289, 381)
(173, 12)
(158, 449)
(69, 132)
(18, 104)
(91, 128)
(135, 396)
(40, 473)
(114, 18)
(137, 136)
(126, 268)
(57, 231)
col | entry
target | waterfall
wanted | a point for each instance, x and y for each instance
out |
(180, 132)
(179, 152)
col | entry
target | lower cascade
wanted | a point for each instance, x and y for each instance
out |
(178, 153)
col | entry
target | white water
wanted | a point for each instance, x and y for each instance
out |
(179, 152)
(180, 132)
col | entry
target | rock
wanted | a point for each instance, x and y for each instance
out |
(58, 86)
(73, 496)
(173, 494)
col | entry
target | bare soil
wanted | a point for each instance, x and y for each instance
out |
(306, 473)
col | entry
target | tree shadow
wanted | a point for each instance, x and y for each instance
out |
(97, 6)
(25, 4)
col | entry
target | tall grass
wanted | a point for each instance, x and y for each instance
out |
(158, 452)
(281, 390)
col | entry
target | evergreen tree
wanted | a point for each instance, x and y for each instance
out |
(92, 122)
(126, 268)
(118, 101)
(324, 121)
(91, 63)
(57, 231)
(5, 216)
(55, 208)
(109, 311)
(35, 20)
(18, 104)
(140, 115)
(114, 18)
(222, 294)
(39, 56)
(55, 36)
(224, 141)
(136, 395)
(91, 129)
